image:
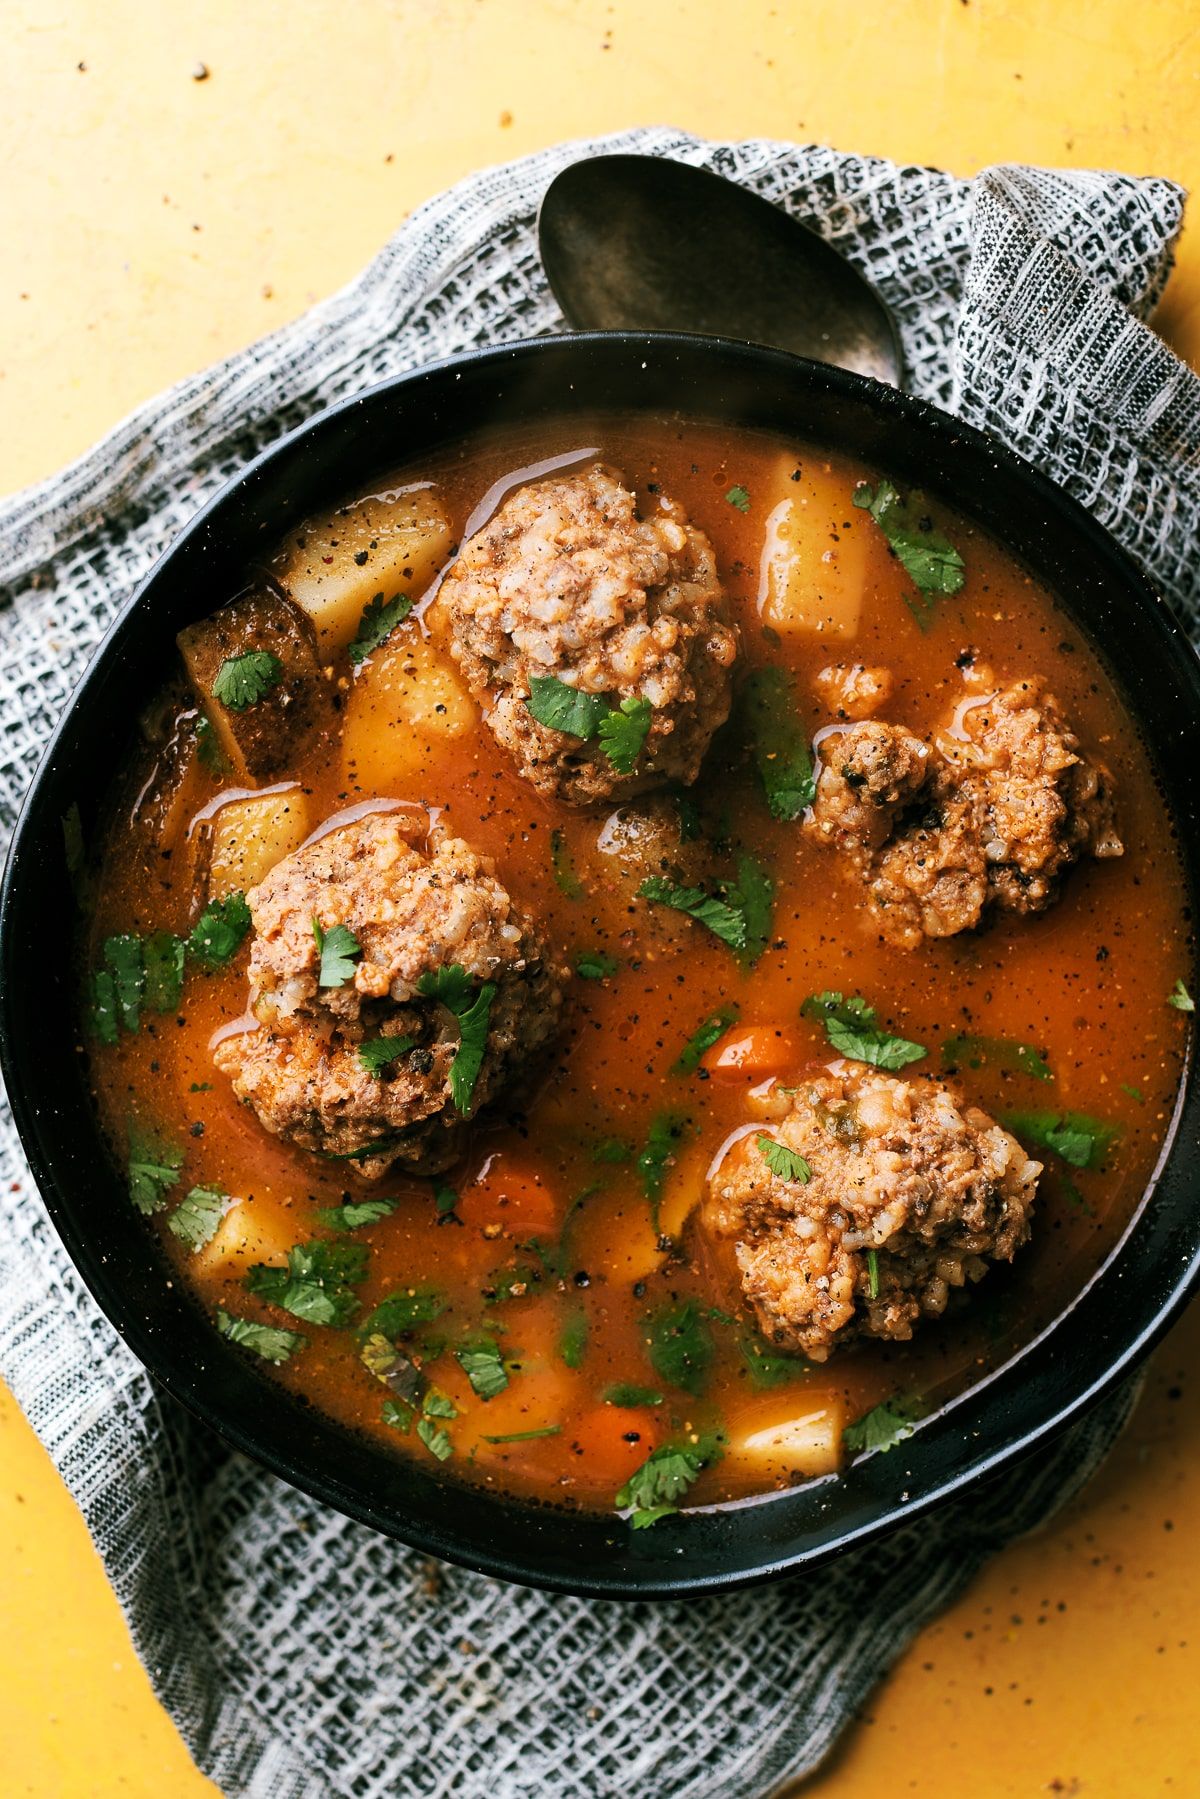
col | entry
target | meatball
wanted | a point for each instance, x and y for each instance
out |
(935, 1189)
(566, 580)
(410, 914)
(987, 819)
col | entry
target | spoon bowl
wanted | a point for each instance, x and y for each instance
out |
(641, 243)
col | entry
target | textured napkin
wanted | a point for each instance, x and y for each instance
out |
(303, 1656)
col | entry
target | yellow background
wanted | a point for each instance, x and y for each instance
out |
(149, 223)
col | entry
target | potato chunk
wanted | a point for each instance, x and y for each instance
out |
(265, 735)
(335, 565)
(403, 709)
(251, 1231)
(816, 555)
(808, 1443)
(250, 836)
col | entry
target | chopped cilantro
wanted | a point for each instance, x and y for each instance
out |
(403, 1311)
(512, 1282)
(527, 1436)
(1180, 998)
(398, 1416)
(1022, 1058)
(766, 1367)
(244, 680)
(154, 1165)
(123, 955)
(355, 1213)
(666, 1131)
(102, 1007)
(783, 1162)
(595, 965)
(702, 1040)
(872, 1274)
(623, 733)
(680, 1346)
(929, 559)
(625, 1395)
(1077, 1138)
(445, 1200)
(651, 1491)
(453, 987)
(267, 1340)
(391, 1366)
(377, 623)
(850, 1027)
(563, 867)
(737, 496)
(338, 949)
(435, 1438)
(562, 708)
(882, 1427)
(754, 898)
(218, 933)
(437, 1404)
(196, 1217)
(163, 957)
(612, 1149)
(484, 1367)
(572, 1342)
(782, 752)
(1134, 1093)
(725, 921)
(208, 747)
(379, 1053)
(317, 1282)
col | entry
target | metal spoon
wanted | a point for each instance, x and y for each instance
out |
(645, 244)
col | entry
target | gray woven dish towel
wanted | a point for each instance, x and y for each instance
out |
(301, 1656)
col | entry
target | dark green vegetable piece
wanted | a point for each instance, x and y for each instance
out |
(123, 956)
(197, 1216)
(625, 1395)
(1079, 1139)
(850, 1027)
(220, 930)
(680, 1346)
(526, 1436)
(725, 921)
(702, 1040)
(766, 1367)
(595, 965)
(623, 733)
(316, 1284)
(572, 1344)
(266, 1340)
(102, 1007)
(665, 1134)
(780, 743)
(403, 1311)
(1021, 1058)
(562, 708)
(163, 958)
(377, 623)
(754, 898)
(929, 559)
(243, 680)
(565, 877)
(338, 949)
(154, 1164)
(882, 1427)
(664, 1477)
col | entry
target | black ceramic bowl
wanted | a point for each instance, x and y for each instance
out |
(1102, 1334)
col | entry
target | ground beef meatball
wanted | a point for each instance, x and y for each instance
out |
(567, 580)
(411, 914)
(987, 819)
(937, 1190)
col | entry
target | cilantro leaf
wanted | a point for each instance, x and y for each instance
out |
(786, 1164)
(377, 623)
(154, 1164)
(355, 1214)
(244, 680)
(267, 1340)
(562, 708)
(316, 1283)
(338, 949)
(403, 1311)
(737, 496)
(527, 1436)
(782, 752)
(391, 1366)
(595, 965)
(435, 1438)
(197, 1216)
(665, 1134)
(218, 933)
(572, 1342)
(702, 1040)
(725, 921)
(1077, 1138)
(612, 1149)
(882, 1427)
(623, 733)
(453, 987)
(163, 958)
(1180, 998)
(513, 1282)
(484, 1367)
(754, 897)
(625, 1395)
(445, 1199)
(680, 1346)
(398, 1416)
(563, 867)
(437, 1404)
(766, 1367)
(1021, 1058)
(851, 1029)
(665, 1476)
(929, 559)
(208, 747)
(123, 955)
(872, 1274)
(102, 1007)
(380, 1052)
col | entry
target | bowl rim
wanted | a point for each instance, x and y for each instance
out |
(658, 1578)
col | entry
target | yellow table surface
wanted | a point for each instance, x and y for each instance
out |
(151, 222)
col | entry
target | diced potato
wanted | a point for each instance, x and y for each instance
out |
(250, 836)
(250, 1232)
(335, 565)
(266, 735)
(816, 554)
(403, 709)
(808, 1443)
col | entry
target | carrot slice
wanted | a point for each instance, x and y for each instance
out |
(512, 1197)
(615, 1439)
(751, 1053)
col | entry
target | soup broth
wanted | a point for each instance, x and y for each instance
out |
(553, 1311)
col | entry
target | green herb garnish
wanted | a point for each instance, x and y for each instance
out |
(338, 950)
(563, 708)
(785, 1164)
(435, 1438)
(377, 623)
(665, 1134)
(737, 496)
(527, 1436)
(102, 1008)
(725, 921)
(766, 1367)
(316, 1284)
(572, 1343)
(882, 1427)
(196, 1218)
(123, 956)
(244, 680)
(680, 1346)
(612, 1149)
(595, 965)
(208, 747)
(403, 1311)
(663, 1478)
(355, 1213)
(154, 1164)
(266, 1340)
(1021, 1058)
(782, 752)
(218, 933)
(455, 990)
(565, 878)
(162, 959)
(929, 559)
(872, 1274)
(702, 1040)
(851, 1029)
(1180, 998)
(398, 1416)
(1077, 1138)
(625, 1395)
(623, 733)
(484, 1367)
(754, 898)
(379, 1053)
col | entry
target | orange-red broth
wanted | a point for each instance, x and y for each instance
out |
(1086, 984)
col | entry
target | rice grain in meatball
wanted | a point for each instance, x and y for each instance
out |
(411, 915)
(566, 580)
(934, 1188)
